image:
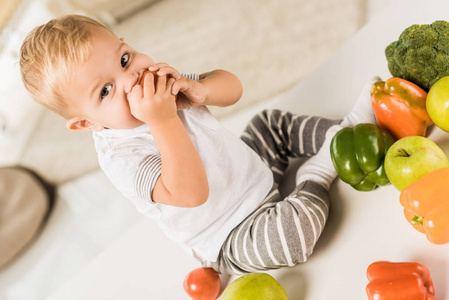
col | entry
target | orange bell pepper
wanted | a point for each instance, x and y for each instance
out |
(399, 281)
(426, 205)
(400, 107)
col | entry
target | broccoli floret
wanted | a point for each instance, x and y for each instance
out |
(421, 54)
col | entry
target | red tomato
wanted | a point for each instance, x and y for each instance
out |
(202, 284)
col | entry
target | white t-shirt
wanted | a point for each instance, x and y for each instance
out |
(238, 180)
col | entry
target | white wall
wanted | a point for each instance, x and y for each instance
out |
(375, 6)
(18, 112)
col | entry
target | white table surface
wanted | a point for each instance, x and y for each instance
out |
(362, 227)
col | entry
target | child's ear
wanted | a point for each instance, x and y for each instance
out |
(77, 123)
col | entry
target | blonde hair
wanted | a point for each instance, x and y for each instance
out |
(48, 55)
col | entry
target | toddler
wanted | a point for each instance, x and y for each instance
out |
(215, 194)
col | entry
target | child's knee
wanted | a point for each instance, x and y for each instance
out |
(313, 192)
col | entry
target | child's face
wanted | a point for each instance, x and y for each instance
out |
(97, 94)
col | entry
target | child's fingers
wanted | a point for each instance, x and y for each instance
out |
(171, 72)
(164, 69)
(136, 94)
(179, 85)
(154, 67)
(157, 66)
(134, 99)
(148, 84)
(170, 83)
(161, 84)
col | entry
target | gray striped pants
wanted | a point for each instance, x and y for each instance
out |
(281, 231)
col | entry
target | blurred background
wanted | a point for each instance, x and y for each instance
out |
(270, 45)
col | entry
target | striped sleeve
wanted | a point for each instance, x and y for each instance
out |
(147, 175)
(193, 76)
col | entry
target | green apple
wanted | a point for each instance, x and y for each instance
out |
(260, 286)
(437, 103)
(412, 157)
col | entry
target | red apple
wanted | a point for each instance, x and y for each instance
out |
(202, 284)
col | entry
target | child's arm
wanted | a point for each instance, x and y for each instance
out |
(222, 88)
(183, 180)
(216, 88)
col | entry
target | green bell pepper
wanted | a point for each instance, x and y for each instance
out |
(358, 155)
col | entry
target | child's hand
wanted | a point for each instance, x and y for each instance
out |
(189, 92)
(153, 104)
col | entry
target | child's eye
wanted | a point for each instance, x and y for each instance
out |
(105, 91)
(124, 60)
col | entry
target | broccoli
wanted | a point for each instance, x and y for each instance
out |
(421, 54)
